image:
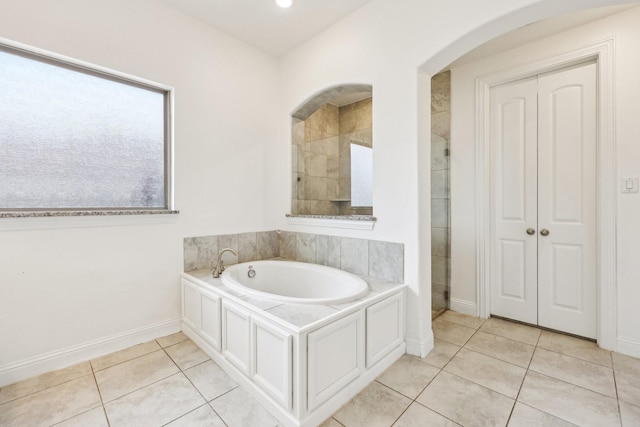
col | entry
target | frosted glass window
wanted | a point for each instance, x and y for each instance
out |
(361, 176)
(71, 138)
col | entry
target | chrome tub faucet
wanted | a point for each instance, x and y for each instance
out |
(219, 268)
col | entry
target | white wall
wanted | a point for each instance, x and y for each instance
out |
(70, 288)
(386, 43)
(624, 28)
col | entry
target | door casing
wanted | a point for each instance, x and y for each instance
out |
(606, 179)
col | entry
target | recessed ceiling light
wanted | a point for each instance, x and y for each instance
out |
(284, 3)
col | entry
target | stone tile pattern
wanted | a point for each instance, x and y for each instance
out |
(373, 258)
(382, 260)
(498, 373)
(440, 193)
(480, 373)
(201, 252)
(320, 158)
(168, 381)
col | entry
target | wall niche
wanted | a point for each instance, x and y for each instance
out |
(332, 153)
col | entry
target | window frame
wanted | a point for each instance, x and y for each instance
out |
(52, 58)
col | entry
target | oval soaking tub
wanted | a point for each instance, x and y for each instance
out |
(294, 282)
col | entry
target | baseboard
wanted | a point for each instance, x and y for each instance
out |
(419, 347)
(465, 307)
(628, 347)
(59, 359)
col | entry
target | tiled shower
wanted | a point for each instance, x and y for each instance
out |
(321, 167)
(440, 193)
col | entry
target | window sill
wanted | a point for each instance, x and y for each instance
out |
(354, 222)
(41, 214)
(39, 220)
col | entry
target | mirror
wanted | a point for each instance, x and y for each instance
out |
(332, 153)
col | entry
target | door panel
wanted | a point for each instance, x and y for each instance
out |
(567, 268)
(513, 258)
(513, 253)
(567, 200)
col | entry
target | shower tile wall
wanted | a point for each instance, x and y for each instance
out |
(440, 194)
(321, 167)
(316, 176)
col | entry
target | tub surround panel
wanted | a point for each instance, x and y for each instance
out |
(301, 315)
(296, 317)
(287, 242)
(230, 241)
(306, 247)
(354, 255)
(328, 251)
(384, 260)
(202, 252)
(247, 247)
(267, 245)
(294, 337)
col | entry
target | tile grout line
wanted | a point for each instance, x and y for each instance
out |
(207, 402)
(575, 385)
(615, 385)
(104, 409)
(186, 413)
(566, 382)
(526, 372)
(147, 385)
(43, 389)
(125, 361)
(434, 377)
(528, 369)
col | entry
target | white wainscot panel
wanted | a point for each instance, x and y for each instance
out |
(385, 328)
(191, 310)
(272, 366)
(236, 342)
(334, 358)
(211, 328)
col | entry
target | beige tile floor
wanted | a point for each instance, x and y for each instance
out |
(481, 373)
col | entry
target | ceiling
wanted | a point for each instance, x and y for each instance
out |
(266, 26)
(261, 23)
(538, 30)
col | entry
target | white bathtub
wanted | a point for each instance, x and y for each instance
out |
(301, 363)
(294, 282)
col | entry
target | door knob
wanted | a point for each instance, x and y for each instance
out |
(544, 232)
(531, 231)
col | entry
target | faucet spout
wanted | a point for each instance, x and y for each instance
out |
(219, 268)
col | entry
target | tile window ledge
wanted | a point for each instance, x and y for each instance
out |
(354, 222)
(43, 214)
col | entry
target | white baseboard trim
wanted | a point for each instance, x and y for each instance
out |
(419, 347)
(465, 307)
(27, 368)
(628, 347)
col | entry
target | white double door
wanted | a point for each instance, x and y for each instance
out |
(543, 257)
